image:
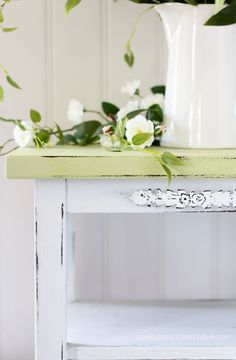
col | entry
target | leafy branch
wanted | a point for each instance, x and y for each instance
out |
(138, 125)
(5, 29)
(129, 55)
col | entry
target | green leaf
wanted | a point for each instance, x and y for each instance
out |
(70, 4)
(43, 135)
(109, 109)
(9, 29)
(1, 94)
(60, 135)
(155, 113)
(170, 159)
(129, 58)
(167, 171)
(35, 116)
(159, 89)
(145, 1)
(120, 129)
(70, 139)
(134, 113)
(21, 126)
(12, 82)
(1, 17)
(140, 139)
(87, 132)
(191, 2)
(227, 16)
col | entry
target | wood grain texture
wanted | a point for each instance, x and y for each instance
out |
(94, 162)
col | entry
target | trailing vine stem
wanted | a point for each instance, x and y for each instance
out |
(7, 120)
(50, 130)
(129, 56)
(9, 151)
(99, 113)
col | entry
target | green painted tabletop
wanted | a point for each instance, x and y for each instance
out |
(70, 162)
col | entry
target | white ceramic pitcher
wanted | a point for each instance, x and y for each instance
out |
(200, 104)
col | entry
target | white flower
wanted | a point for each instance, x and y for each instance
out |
(23, 138)
(75, 111)
(152, 100)
(110, 142)
(132, 105)
(131, 87)
(138, 125)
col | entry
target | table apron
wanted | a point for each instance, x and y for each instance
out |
(152, 195)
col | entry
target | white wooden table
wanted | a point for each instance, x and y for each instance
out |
(91, 180)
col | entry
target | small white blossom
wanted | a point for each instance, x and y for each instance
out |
(132, 105)
(131, 87)
(138, 125)
(24, 138)
(75, 111)
(110, 142)
(152, 100)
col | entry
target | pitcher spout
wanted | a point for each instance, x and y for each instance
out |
(171, 14)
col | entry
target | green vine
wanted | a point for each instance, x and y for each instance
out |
(137, 125)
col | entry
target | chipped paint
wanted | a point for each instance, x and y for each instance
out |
(36, 265)
(62, 351)
(95, 162)
(62, 233)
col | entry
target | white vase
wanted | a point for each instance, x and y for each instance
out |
(200, 103)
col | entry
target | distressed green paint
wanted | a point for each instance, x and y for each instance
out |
(95, 162)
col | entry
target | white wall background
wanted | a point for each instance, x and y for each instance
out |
(55, 58)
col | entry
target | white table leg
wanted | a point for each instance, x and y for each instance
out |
(70, 251)
(50, 290)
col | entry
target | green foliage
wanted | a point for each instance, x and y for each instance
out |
(70, 4)
(19, 123)
(155, 113)
(9, 29)
(226, 16)
(109, 109)
(1, 16)
(1, 94)
(192, 2)
(158, 89)
(134, 113)
(140, 139)
(70, 139)
(120, 129)
(12, 82)
(129, 58)
(167, 171)
(87, 132)
(170, 159)
(35, 116)
(43, 136)
(145, 1)
(60, 135)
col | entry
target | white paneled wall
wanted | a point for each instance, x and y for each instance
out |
(174, 256)
(55, 58)
(23, 53)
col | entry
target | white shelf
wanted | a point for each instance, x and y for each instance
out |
(166, 330)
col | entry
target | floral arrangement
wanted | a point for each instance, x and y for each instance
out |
(137, 125)
(225, 9)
